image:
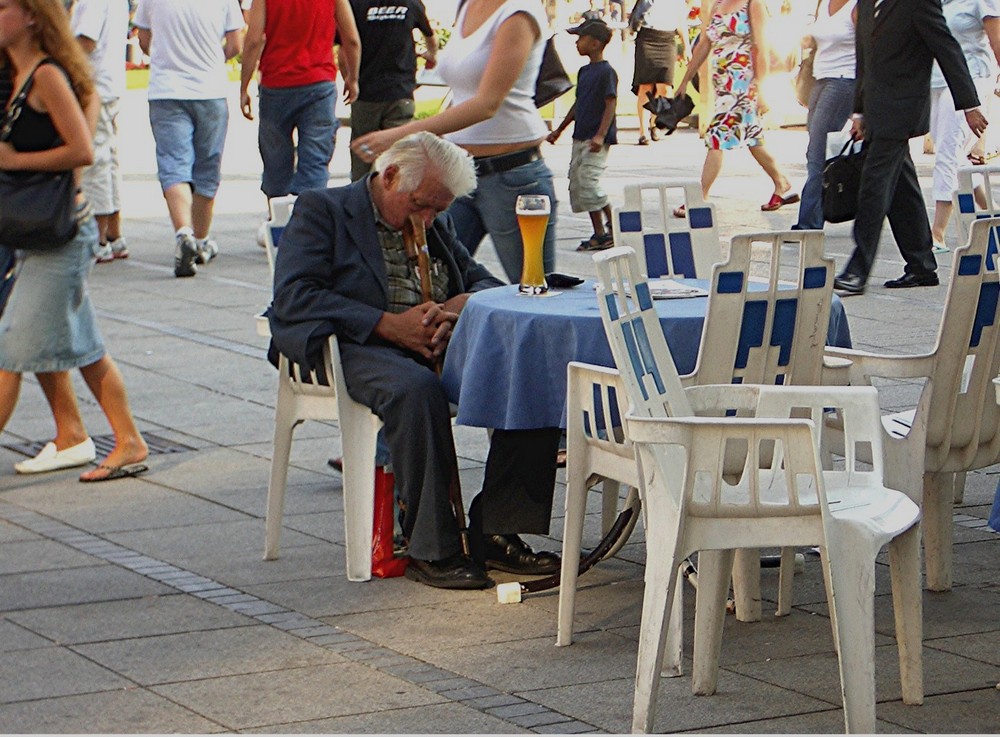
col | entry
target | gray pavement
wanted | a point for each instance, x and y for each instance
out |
(144, 606)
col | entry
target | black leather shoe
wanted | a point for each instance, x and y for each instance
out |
(509, 553)
(913, 280)
(456, 572)
(848, 284)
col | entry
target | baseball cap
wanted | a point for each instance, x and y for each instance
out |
(592, 27)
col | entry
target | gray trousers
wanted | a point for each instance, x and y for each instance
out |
(409, 399)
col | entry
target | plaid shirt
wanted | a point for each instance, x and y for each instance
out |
(404, 279)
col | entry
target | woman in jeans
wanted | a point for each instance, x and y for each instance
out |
(491, 63)
(831, 100)
(49, 325)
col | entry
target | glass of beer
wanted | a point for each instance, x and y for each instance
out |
(533, 217)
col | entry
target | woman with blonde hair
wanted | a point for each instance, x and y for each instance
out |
(49, 325)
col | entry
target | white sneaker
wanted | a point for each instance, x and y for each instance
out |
(50, 459)
(262, 234)
(114, 250)
(185, 256)
(207, 250)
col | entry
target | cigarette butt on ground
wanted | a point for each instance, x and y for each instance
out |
(509, 593)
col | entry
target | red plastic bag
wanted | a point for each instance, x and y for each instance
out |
(384, 563)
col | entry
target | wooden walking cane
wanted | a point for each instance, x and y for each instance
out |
(415, 241)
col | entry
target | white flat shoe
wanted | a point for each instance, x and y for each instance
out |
(50, 459)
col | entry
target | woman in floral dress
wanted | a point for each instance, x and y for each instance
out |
(734, 40)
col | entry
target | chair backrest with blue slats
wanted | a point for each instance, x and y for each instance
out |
(667, 246)
(976, 199)
(281, 212)
(768, 312)
(963, 417)
(637, 343)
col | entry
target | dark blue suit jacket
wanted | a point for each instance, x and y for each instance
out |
(894, 56)
(330, 278)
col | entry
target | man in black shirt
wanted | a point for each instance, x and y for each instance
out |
(388, 66)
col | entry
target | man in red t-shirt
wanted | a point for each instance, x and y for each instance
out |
(292, 41)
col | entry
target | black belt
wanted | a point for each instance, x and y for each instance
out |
(505, 162)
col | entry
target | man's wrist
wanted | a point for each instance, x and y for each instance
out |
(857, 116)
(972, 109)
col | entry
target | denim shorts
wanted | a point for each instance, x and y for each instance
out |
(190, 136)
(490, 210)
(296, 135)
(49, 323)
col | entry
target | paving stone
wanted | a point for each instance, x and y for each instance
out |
(469, 693)
(447, 718)
(205, 654)
(14, 637)
(41, 555)
(296, 694)
(539, 720)
(55, 588)
(51, 671)
(120, 620)
(570, 727)
(500, 699)
(110, 712)
(516, 710)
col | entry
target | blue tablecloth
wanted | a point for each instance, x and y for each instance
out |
(506, 362)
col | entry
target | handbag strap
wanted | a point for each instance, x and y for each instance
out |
(18, 102)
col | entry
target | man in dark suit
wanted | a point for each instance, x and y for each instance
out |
(896, 43)
(343, 269)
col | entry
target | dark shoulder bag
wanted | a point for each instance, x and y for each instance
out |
(553, 82)
(841, 182)
(36, 207)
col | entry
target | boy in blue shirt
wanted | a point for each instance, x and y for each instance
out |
(595, 131)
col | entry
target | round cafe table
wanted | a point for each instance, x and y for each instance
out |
(506, 361)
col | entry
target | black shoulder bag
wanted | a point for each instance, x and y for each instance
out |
(552, 82)
(841, 182)
(36, 207)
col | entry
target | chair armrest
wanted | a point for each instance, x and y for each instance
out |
(711, 399)
(865, 365)
(836, 371)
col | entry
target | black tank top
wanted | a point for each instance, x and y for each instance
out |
(33, 130)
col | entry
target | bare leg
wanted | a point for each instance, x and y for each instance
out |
(113, 229)
(10, 388)
(108, 387)
(58, 389)
(597, 220)
(179, 199)
(201, 215)
(942, 214)
(102, 228)
(710, 170)
(770, 167)
(642, 97)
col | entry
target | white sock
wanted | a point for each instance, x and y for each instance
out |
(185, 230)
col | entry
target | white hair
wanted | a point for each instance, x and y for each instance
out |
(416, 152)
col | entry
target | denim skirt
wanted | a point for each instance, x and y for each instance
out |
(49, 323)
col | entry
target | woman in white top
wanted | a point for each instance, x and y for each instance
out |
(975, 24)
(491, 63)
(832, 35)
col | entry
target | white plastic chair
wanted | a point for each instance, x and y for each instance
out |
(771, 332)
(714, 484)
(281, 212)
(668, 246)
(967, 210)
(955, 425)
(305, 394)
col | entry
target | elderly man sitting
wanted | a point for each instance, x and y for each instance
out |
(343, 269)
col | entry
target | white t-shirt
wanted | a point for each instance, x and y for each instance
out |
(105, 22)
(186, 57)
(463, 61)
(965, 21)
